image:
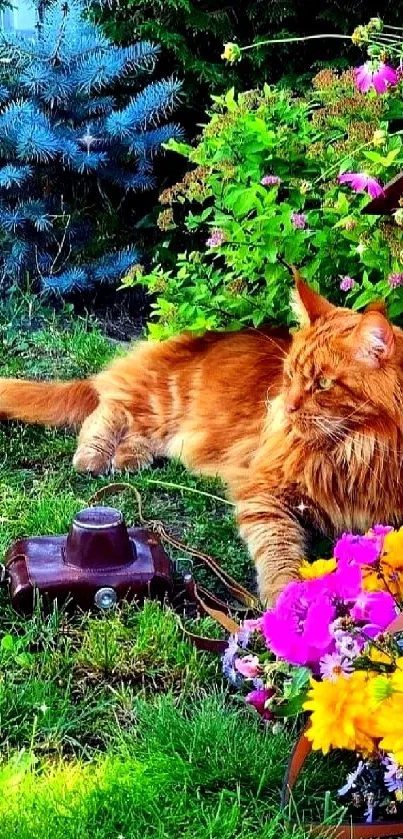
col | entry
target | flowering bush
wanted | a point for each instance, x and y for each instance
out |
(325, 649)
(278, 177)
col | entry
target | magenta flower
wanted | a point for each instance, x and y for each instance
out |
(270, 180)
(258, 698)
(361, 182)
(248, 666)
(299, 220)
(297, 629)
(378, 532)
(376, 608)
(216, 238)
(395, 279)
(333, 665)
(375, 74)
(346, 283)
(360, 550)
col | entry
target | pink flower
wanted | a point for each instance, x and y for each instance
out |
(395, 279)
(375, 608)
(297, 629)
(216, 239)
(253, 625)
(360, 550)
(332, 665)
(299, 220)
(376, 74)
(270, 180)
(361, 182)
(247, 666)
(346, 283)
(258, 699)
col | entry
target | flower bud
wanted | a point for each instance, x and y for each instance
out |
(232, 53)
(379, 137)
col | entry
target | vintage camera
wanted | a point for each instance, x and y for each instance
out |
(99, 563)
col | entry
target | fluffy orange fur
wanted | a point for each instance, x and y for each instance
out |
(305, 430)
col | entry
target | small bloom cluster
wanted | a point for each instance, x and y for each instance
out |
(216, 238)
(346, 283)
(270, 180)
(325, 648)
(299, 220)
(395, 280)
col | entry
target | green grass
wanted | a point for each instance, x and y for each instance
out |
(114, 726)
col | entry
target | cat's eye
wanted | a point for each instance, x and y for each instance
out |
(325, 384)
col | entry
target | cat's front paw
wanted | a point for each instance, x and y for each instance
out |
(270, 588)
(90, 459)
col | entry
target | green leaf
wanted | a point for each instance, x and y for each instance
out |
(292, 708)
(8, 643)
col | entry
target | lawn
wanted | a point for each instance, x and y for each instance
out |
(114, 727)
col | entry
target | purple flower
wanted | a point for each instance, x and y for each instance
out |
(346, 283)
(299, 220)
(297, 629)
(376, 608)
(348, 647)
(270, 180)
(228, 661)
(258, 699)
(333, 665)
(375, 74)
(351, 779)
(393, 776)
(361, 182)
(216, 238)
(361, 550)
(395, 279)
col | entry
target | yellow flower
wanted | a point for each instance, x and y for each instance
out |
(379, 656)
(389, 716)
(392, 552)
(341, 713)
(312, 570)
(232, 53)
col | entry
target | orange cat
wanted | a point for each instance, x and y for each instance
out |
(306, 430)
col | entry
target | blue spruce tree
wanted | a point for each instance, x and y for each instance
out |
(79, 129)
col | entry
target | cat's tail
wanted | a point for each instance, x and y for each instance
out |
(47, 403)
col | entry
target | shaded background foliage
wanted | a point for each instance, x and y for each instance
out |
(192, 32)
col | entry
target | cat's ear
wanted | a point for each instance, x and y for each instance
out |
(373, 340)
(306, 304)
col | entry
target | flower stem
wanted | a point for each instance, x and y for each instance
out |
(294, 39)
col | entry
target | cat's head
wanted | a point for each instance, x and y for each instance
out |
(343, 372)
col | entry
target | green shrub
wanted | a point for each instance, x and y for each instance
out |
(308, 218)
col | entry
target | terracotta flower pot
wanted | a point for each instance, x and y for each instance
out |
(346, 830)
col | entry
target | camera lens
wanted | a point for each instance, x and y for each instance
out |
(105, 598)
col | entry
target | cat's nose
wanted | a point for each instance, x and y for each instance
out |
(291, 406)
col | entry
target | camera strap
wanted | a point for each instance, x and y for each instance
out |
(207, 602)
